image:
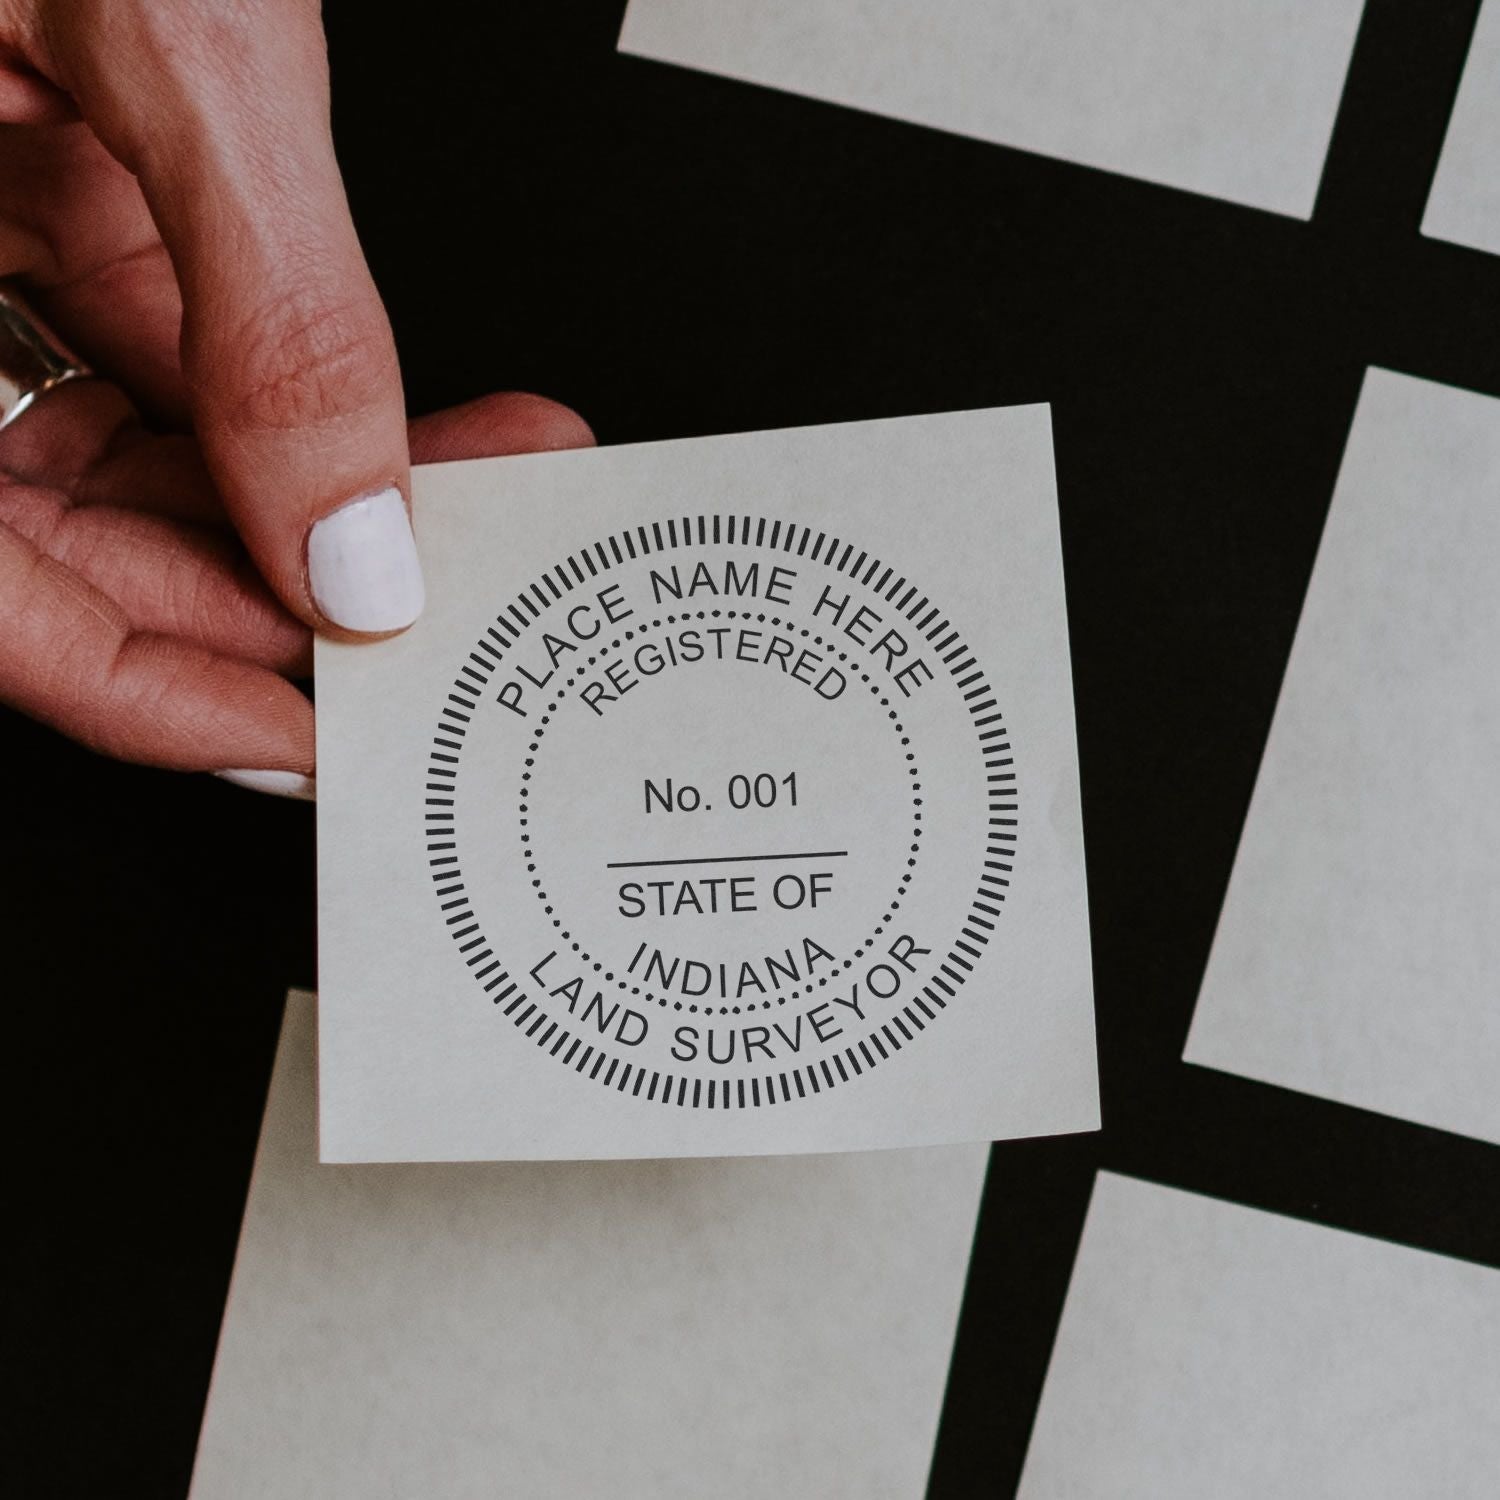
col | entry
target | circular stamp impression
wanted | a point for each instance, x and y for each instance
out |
(721, 813)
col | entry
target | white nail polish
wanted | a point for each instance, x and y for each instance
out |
(362, 565)
(276, 783)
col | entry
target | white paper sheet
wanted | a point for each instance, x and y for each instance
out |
(1232, 98)
(723, 801)
(554, 1331)
(1358, 953)
(1464, 205)
(1210, 1350)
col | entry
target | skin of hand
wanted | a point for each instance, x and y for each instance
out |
(170, 203)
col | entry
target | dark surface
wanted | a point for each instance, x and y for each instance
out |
(677, 254)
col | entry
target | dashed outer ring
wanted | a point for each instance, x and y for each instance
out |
(592, 1061)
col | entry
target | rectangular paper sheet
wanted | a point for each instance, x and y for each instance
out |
(1358, 953)
(1231, 98)
(1464, 205)
(724, 801)
(624, 1329)
(1208, 1349)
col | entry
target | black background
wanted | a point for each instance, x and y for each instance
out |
(676, 254)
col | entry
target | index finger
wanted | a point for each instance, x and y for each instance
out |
(222, 113)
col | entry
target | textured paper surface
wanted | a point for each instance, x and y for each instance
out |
(623, 1329)
(1358, 953)
(1465, 202)
(1232, 98)
(723, 801)
(1212, 1350)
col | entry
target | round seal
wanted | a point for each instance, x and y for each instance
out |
(721, 812)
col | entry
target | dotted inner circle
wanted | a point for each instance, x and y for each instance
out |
(528, 851)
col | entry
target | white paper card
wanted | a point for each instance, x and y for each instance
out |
(1464, 205)
(724, 800)
(1358, 953)
(1212, 1350)
(622, 1329)
(1232, 98)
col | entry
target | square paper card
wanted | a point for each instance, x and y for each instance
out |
(1209, 1351)
(1358, 952)
(1234, 98)
(650, 1330)
(1465, 201)
(723, 801)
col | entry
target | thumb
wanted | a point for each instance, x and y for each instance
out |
(221, 111)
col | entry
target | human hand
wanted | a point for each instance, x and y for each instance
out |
(170, 201)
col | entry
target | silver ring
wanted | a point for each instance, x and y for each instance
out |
(33, 360)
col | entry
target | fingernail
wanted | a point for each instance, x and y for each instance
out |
(362, 565)
(276, 783)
